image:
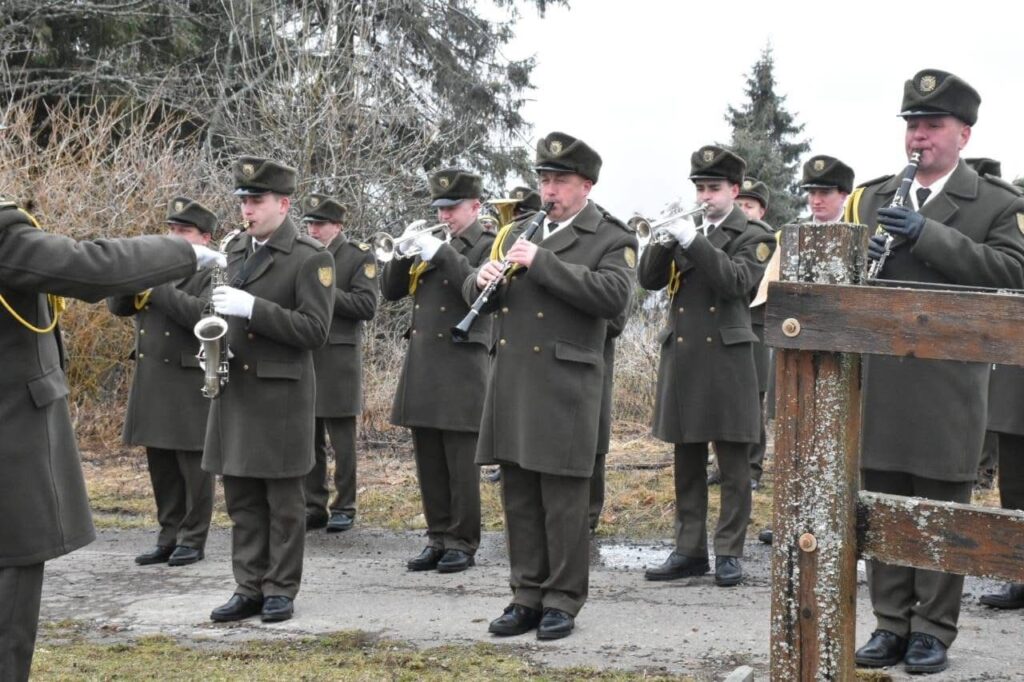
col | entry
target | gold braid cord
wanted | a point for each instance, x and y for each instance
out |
(57, 304)
(414, 275)
(142, 299)
(674, 278)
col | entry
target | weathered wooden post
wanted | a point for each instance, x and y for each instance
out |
(817, 438)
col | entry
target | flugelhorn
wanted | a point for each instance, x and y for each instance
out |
(214, 353)
(648, 231)
(875, 268)
(384, 245)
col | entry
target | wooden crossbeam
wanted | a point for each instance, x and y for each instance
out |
(938, 325)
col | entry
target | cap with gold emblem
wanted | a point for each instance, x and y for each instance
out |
(254, 176)
(526, 198)
(185, 211)
(453, 185)
(753, 188)
(561, 153)
(985, 166)
(932, 93)
(827, 172)
(322, 208)
(714, 162)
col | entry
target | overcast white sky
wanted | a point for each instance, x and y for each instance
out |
(647, 82)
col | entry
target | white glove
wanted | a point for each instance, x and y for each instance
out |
(428, 245)
(683, 231)
(231, 301)
(208, 258)
(405, 246)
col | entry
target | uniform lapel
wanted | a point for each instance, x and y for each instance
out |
(565, 236)
(962, 184)
(281, 241)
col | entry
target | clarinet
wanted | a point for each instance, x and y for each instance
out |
(901, 195)
(460, 332)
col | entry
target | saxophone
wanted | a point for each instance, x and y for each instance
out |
(214, 353)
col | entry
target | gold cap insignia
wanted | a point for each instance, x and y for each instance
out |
(444, 182)
(708, 156)
(747, 184)
(927, 83)
(763, 252)
(520, 194)
(248, 169)
(1020, 222)
(326, 275)
(314, 201)
(370, 270)
(630, 257)
(555, 147)
(819, 165)
(179, 206)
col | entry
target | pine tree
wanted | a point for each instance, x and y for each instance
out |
(765, 134)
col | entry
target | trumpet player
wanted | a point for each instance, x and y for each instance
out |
(707, 379)
(167, 372)
(441, 387)
(542, 412)
(339, 365)
(259, 437)
(924, 420)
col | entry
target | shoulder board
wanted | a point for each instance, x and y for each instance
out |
(608, 217)
(10, 214)
(996, 180)
(763, 225)
(876, 181)
(309, 241)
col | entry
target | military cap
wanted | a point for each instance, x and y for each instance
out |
(561, 153)
(526, 198)
(932, 92)
(754, 189)
(452, 185)
(714, 162)
(825, 172)
(984, 166)
(188, 212)
(255, 176)
(322, 208)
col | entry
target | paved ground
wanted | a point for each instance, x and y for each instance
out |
(357, 580)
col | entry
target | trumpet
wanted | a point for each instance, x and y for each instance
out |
(385, 246)
(214, 353)
(648, 231)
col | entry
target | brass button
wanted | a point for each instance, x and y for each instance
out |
(417, 306)
(413, 331)
(443, 309)
(167, 333)
(147, 306)
(141, 355)
(440, 335)
(711, 309)
(540, 316)
(445, 282)
(679, 339)
(680, 308)
(502, 342)
(251, 335)
(245, 368)
(142, 331)
(504, 311)
(709, 339)
(536, 349)
(167, 361)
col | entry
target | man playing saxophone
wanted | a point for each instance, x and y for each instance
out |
(167, 373)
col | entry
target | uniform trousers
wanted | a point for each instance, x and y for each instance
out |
(21, 589)
(548, 538)
(759, 448)
(1011, 471)
(691, 485)
(596, 491)
(184, 496)
(268, 534)
(341, 432)
(908, 599)
(450, 487)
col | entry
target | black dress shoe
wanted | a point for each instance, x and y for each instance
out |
(516, 620)
(715, 477)
(883, 649)
(555, 624)
(925, 654)
(315, 521)
(728, 571)
(427, 559)
(340, 521)
(238, 607)
(493, 476)
(455, 560)
(1011, 596)
(766, 536)
(276, 609)
(678, 566)
(159, 555)
(183, 556)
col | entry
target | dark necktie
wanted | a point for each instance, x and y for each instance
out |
(922, 196)
(551, 229)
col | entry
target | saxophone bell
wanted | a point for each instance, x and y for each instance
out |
(214, 353)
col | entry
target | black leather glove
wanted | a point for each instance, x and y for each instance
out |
(876, 246)
(902, 222)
